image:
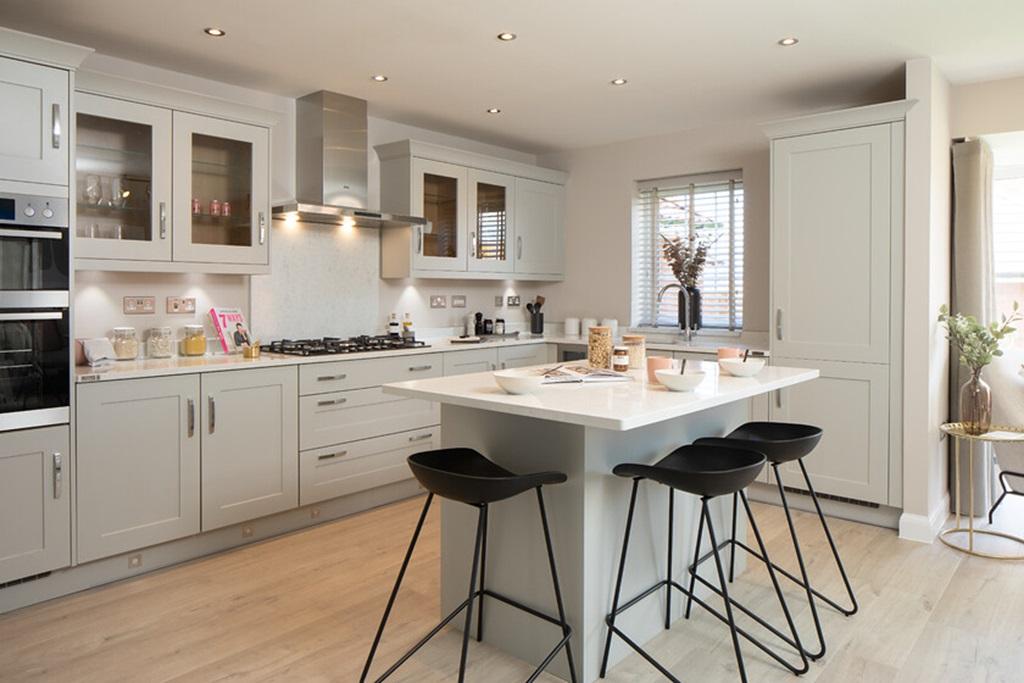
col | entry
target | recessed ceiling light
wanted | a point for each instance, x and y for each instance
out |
(493, 110)
(380, 78)
(215, 32)
(619, 81)
(788, 42)
(506, 36)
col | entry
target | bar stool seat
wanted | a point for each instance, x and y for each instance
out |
(706, 471)
(782, 443)
(466, 476)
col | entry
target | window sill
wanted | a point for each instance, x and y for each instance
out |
(704, 332)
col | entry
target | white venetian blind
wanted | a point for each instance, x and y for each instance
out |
(1008, 227)
(709, 206)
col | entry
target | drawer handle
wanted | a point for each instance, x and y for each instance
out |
(332, 402)
(58, 475)
(332, 455)
(420, 437)
(419, 368)
(330, 378)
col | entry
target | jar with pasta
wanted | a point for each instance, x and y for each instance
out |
(125, 343)
(636, 345)
(599, 347)
(159, 343)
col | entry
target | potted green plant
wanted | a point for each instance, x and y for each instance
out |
(977, 345)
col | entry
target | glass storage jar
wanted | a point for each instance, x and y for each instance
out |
(620, 359)
(599, 347)
(636, 344)
(125, 343)
(159, 343)
(194, 342)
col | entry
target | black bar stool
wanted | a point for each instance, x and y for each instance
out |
(463, 475)
(708, 472)
(781, 443)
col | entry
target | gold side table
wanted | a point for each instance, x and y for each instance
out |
(996, 434)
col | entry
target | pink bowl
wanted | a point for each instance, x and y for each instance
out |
(729, 352)
(655, 363)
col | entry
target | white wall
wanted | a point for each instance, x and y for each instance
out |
(927, 282)
(599, 205)
(988, 107)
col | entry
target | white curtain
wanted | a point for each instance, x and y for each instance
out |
(973, 285)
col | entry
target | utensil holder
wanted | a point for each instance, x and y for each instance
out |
(536, 323)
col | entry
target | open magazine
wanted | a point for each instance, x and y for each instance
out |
(580, 372)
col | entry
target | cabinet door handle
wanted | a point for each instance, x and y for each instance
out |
(778, 399)
(58, 475)
(778, 324)
(331, 455)
(213, 414)
(419, 368)
(420, 437)
(263, 227)
(476, 251)
(419, 239)
(519, 247)
(55, 113)
(332, 402)
(494, 366)
(330, 378)
(191, 418)
(163, 220)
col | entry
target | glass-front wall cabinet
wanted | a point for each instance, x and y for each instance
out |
(221, 181)
(122, 180)
(491, 221)
(441, 191)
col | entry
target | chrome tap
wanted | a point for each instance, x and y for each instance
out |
(685, 325)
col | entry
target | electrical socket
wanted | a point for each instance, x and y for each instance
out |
(438, 301)
(458, 300)
(181, 304)
(513, 300)
(139, 305)
(499, 301)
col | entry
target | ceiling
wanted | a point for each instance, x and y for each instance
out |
(689, 63)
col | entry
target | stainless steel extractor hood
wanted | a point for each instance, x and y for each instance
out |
(330, 165)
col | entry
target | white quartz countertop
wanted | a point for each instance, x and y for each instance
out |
(184, 365)
(616, 406)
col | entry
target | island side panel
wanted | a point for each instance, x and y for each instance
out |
(517, 564)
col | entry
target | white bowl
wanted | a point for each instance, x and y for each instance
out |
(519, 381)
(679, 382)
(737, 368)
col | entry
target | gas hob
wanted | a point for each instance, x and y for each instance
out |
(337, 345)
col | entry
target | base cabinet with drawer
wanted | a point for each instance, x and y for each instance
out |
(138, 448)
(35, 509)
(471, 360)
(525, 356)
(250, 444)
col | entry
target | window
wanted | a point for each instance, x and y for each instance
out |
(1008, 239)
(708, 207)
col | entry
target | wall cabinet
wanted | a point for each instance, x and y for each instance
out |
(138, 447)
(837, 235)
(35, 509)
(33, 122)
(489, 218)
(169, 190)
(250, 444)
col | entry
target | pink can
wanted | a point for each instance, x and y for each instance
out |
(214, 207)
(197, 207)
(225, 209)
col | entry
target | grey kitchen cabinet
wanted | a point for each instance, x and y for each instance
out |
(539, 228)
(327, 419)
(472, 360)
(33, 122)
(851, 403)
(249, 428)
(35, 509)
(138, 449)
(524, 356)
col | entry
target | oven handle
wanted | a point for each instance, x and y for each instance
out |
(46, 315)
(33, 234)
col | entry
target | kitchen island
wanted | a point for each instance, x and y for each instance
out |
(584, 431)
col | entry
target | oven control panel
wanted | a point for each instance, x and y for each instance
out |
(33, 210)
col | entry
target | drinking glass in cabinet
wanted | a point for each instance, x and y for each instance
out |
(113, 178)
(491, 222)
(221, 177)
(440, 207)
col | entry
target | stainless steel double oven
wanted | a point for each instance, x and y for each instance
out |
(35, 334)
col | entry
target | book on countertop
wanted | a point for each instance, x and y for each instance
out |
(581, 372)
(231, 328)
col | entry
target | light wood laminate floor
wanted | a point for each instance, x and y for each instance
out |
(304, 607)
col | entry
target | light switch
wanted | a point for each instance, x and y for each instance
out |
(181, 304)
(458, 300)
(139, 305)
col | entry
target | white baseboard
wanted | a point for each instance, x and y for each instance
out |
(924, 529)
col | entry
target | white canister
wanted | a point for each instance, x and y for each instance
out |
(572, 327)
(586, 324)
(613, 325)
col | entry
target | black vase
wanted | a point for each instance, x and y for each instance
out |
(695, 314)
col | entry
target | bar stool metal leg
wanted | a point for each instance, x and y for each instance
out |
(618, 580)
(483, 585)
(394, 591)
(566, 631)
(668, 570)
(472, 592)
(693, 569)
(725, 592)
(732, 546)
